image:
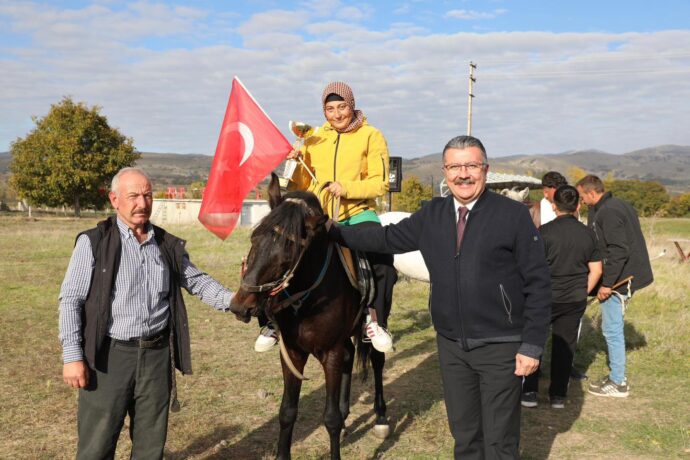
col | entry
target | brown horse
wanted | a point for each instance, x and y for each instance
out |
(294, 277)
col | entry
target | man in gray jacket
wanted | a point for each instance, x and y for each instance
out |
(624, 253)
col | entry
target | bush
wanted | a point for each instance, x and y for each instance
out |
(678, 206)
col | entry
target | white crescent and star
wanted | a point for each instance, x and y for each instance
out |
(247, 137)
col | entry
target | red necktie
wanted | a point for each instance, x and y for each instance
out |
(462, 219)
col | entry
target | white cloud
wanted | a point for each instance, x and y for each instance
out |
(535, 91)
(352, 13)
(471, 15)
(273, 21)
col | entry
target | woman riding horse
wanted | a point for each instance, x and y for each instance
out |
(352, 156)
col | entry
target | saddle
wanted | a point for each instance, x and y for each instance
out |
(358, 272)
(355, 263)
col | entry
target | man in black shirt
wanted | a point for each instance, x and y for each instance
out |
(575, 264)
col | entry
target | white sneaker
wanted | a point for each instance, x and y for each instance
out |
(267, 338)
(380, 338)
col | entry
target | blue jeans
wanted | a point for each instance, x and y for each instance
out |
(612, 328)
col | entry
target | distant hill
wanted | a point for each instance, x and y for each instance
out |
(165, 168)
(175, 169)
(667, 164)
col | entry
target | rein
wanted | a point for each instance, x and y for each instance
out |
(335, 201)
(277, 285)
(292, 299)
(305, 292)
(284, 281)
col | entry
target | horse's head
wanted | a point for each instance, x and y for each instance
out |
(515, 194)
(277, 246)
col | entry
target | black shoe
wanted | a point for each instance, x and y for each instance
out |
(557, 402)
(529, 399)
(577, 375)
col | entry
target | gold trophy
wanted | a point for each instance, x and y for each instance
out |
(303, 131)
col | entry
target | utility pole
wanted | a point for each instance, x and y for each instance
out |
(470, 95)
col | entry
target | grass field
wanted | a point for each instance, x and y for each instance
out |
(230, 403)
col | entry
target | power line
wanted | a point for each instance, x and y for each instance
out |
(580, 73)
(589, 58)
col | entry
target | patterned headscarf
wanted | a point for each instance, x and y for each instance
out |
(344, 91)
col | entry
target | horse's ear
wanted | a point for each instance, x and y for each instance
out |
(504, 192)
(274, 198)
(312, 223)
(524, 194)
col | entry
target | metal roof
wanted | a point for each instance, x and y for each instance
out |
(495, 180)
(502, 180)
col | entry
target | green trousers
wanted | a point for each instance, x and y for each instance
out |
(135, 382)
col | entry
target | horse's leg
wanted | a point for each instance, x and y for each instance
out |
(345, 383)
(381, 427)
(290, 402)
(333, 368)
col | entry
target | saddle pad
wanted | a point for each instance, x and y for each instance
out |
(345, 255)
(358, 272)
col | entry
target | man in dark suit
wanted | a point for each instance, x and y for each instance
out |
(490, 297)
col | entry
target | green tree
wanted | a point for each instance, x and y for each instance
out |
(411, 195)
(647, 197)
(574, 174)
(195, 189)
(679, 206)
(69, 157)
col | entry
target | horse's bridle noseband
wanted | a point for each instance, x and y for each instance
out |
(284, 281)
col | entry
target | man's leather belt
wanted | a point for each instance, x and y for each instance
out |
(154, 341)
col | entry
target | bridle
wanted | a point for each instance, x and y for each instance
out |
(280, 284)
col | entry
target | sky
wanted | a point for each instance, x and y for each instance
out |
(551, 76)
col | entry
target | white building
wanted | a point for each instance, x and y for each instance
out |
(186, 211)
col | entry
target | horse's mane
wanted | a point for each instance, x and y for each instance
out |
(289, 216)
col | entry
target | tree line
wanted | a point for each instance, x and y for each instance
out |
(70, 156)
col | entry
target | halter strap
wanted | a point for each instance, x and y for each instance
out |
(294, 297)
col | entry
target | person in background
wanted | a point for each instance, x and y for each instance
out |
(350, 158)
(489, 300)
(123, 323)
(575, 266)
(624, 253)
(550, 182)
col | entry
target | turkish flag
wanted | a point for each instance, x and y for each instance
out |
(249, 147)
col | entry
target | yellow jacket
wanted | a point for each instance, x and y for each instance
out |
(358, 160)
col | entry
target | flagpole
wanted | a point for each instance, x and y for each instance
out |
(255, 101)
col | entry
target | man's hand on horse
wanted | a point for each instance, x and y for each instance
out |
(335, 189)
(75, 374)
(524, 365)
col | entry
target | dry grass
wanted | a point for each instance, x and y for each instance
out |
(231, 402)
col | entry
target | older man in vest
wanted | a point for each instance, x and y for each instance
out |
(123, 322)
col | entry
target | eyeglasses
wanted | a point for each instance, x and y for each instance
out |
(471, 168)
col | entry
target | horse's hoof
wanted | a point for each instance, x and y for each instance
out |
(382, 431)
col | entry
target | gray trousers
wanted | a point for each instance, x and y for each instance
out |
(482, 396)
(135, 382)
